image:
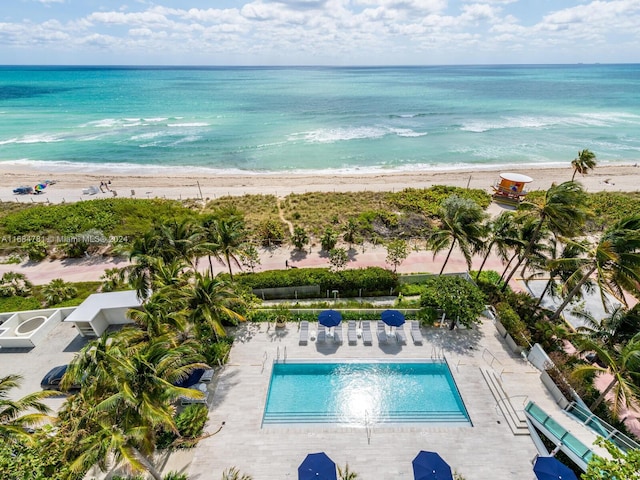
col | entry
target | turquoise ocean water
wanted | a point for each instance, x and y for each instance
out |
(275, 120)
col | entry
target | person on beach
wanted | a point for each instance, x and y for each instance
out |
(102, 187)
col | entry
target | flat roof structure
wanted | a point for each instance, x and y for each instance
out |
(101, 310)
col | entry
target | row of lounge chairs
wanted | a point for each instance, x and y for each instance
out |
(367, 339)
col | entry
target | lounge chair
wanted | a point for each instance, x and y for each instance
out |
(322, 334)
(207, 375)
(201, 387)
(382, 332)
(416, 334)
(304, 332)
(352, 335)
(337, 334)
(401, 338)
(366, 333)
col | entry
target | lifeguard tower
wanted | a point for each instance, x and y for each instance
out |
(509, 189)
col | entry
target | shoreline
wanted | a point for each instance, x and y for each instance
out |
(140, 184)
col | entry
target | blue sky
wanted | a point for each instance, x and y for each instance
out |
(318, 32)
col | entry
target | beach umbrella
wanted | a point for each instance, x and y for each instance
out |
(329, 318)
(317, 466)
(393, 318)
(550, 468)
(430, 466)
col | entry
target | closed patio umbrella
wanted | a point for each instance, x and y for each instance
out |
(317, 466)
(329, 318)
(550, 468)
(393, 318)
(431, 466)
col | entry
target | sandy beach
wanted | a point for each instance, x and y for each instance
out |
(172, 184)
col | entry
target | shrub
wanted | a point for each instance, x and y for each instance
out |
(36, 251)
(270, 233)
(14, 284)
(57, 291)
(329, 239)
(338, 258)
(461, 300)
(190, 423)
(513, 324)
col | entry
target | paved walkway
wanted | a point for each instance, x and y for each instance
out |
(488, 449)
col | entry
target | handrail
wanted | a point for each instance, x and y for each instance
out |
(278, 354)
(493, 357)
(367, 426)
(284, 359)
(264, 360)
(602, 428)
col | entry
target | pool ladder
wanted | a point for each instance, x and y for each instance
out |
(367, 426)
(284, 355)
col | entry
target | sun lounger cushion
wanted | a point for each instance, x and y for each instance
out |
(382, 332)
(352, 335)
(337, 334)
(207, 375)
(416, 334)
(366, 333)
(400, 336)
(322, 334)
(304, 332)
(202, 387)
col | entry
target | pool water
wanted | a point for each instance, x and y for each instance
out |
(361, 393)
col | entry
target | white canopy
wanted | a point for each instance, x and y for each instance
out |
(516, 177)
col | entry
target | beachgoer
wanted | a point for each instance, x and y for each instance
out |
(102, 187)
(286, 264)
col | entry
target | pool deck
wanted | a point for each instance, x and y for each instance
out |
(486, 450)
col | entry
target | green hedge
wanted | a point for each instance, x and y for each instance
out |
(513, 324)
(372, 280)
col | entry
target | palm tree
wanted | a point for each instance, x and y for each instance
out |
(617, 328)
(299, 238)
(183, 240)
(585, 161)
(562, 211)
(461, 225)
(57, 291)
(12, 424)
(135, 401)
(350, 231)
(615, 260)
(503, 235)
(211, 300)
(234, 474)
(623, 363)
(228, 241)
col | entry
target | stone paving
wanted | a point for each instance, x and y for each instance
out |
(486, 450)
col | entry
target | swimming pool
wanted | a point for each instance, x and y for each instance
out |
(360, 393)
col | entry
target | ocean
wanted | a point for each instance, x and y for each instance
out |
(288, 119)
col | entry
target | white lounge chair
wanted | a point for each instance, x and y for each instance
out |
(337, 334)
(382, 332)
(416, 334)
(352, 335)
(304, 332)
(207, 375)
(201, 387)
(401, 338)
(322, 334)
(366, 333)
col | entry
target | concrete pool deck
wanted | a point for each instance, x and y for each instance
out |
(488, 449)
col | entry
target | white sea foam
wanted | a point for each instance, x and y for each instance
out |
(41, 138)
(333, 135)
(188, 124)
(604, 119)
(148, 135)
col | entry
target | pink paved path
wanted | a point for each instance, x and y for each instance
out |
(91, 269)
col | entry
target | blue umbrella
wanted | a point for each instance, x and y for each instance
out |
(329, 318)
(550, 468)
(430, 466)
(317, 466)
(393, 318)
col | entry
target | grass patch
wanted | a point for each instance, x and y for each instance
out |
(255, 208)
(35, 300)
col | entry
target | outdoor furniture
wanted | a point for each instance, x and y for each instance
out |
(352, 335)
(304, 332)
(201, 387)
(551, 467)
(382, 333)
(207, 375)
(337, 334)
(366, 333)
(416, 334)
(322, 334)
(401, 338)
